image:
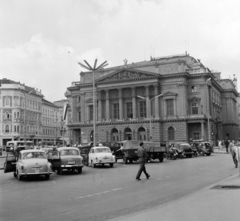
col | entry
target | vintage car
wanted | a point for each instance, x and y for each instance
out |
(208, 148)
(28, 163)
(184, 147)
(66, 158)
(100, 155)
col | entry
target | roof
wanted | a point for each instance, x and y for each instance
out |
(67, 148)
(46, 102)
(32, 150)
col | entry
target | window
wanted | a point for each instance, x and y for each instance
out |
(7, 101)
(129, 110)
(7, 130)
(7, 115)
(193, 89)
(171, 133)
(170, 107)
(194, 108)
(116, 111)
(91, 112)
(143, 109)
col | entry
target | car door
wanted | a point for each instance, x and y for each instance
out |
(10, 163)
(55, 160)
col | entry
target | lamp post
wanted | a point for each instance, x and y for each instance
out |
(149, 102)
(208, 82)
(93, 69)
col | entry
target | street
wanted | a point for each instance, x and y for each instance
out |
(103, 193)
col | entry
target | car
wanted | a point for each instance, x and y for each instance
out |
(203, 147)
(66, 158)
(28, 163)
(184, 146)
(100, 155)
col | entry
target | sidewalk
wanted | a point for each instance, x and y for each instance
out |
(215, 203)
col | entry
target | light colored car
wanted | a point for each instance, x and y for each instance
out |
(66, 158)
(32, 162)
(100, 155)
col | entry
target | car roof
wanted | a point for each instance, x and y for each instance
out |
(67, 148)
(100, 147)
(32, 150)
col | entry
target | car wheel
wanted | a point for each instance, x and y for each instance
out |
(111, 164)
(160, 159)
(79, 170)
(208, 154)
(59, 171)
(19, 176)
(47, 176)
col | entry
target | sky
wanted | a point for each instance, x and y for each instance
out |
(42, 41)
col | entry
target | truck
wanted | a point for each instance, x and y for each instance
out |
(127, 150)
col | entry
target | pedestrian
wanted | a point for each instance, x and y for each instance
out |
(220, 145)
(235, 150)
(226, 145)
(142, 154)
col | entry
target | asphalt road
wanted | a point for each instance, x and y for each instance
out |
(104, 193)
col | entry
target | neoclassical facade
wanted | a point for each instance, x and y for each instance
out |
(177, 96)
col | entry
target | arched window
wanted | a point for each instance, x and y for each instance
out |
(142, 134)
(7, 115)
(7, 129)
(115, 135)
(171, 133)
(7, 101)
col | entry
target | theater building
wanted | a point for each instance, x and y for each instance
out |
(177, 96)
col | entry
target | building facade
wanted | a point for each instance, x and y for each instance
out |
(25, 114)
(177, 96)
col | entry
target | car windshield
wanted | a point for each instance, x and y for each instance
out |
(69, 152)
(31, 155)
(102, 150)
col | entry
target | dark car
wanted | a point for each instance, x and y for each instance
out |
(207, 145)
(185, 147)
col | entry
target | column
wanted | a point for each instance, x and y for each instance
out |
(107, 105)
(99, 106)
(120, 104)
(202, 131)
(74, 110)
(156, 101)
(148, 103)
(134, 102)
(82, 107)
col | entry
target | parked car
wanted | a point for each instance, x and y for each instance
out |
(203, 147)
(66, 158)
(185, 147)
(100, 155)
(28, 163)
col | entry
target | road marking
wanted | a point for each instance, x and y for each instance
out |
(94, 194)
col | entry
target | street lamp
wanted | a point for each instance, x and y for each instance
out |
(93, 69)
(149, 102)
(208, 82)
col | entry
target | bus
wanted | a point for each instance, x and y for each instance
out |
(19, 145)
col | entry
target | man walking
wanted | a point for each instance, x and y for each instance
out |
(234, 150)
(226, 145)
(142, 154)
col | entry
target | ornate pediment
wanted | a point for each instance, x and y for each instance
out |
(194, 98)
(126, 74)
(89, 100)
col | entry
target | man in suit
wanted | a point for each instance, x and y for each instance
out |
(142, 154)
